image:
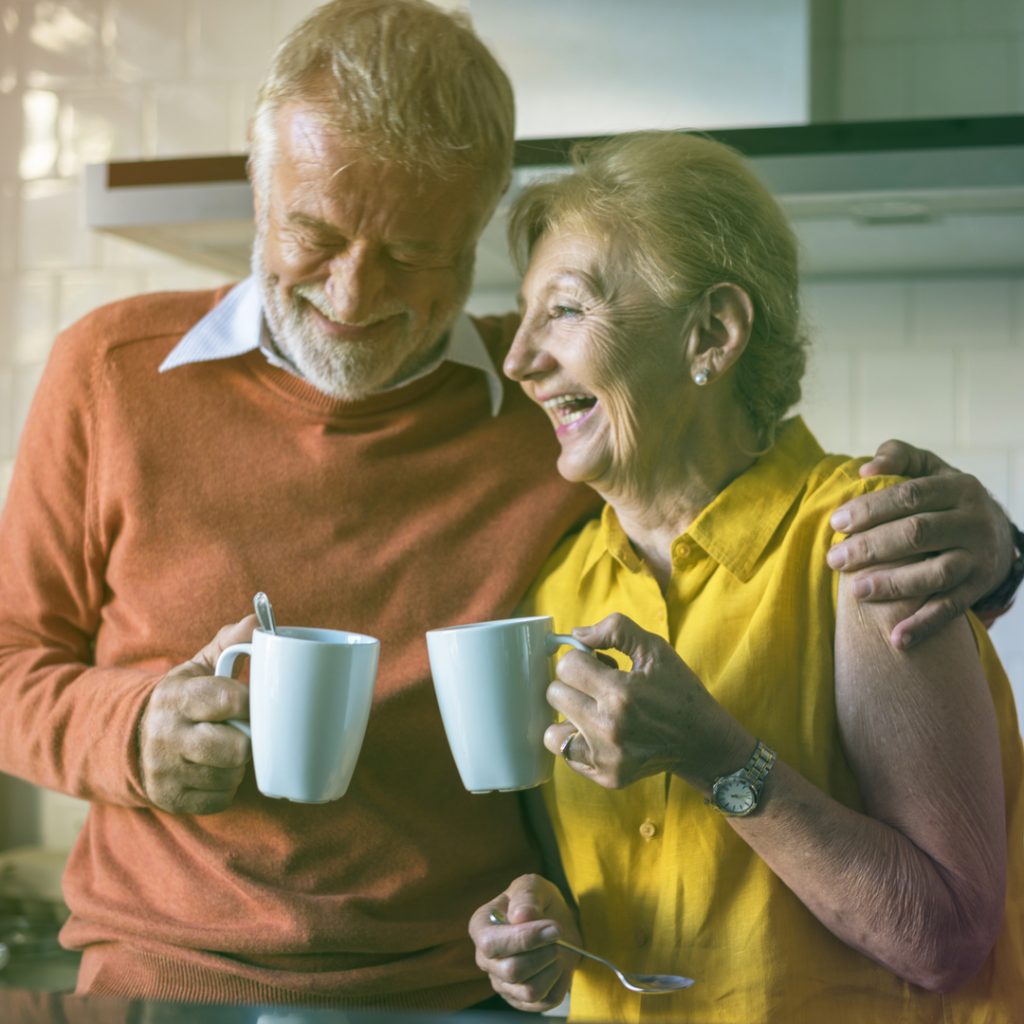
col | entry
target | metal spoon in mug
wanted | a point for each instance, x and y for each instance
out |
(265, 612)
(648, 984)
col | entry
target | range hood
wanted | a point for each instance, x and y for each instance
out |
(877, 197)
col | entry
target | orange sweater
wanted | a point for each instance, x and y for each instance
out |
(144, 511)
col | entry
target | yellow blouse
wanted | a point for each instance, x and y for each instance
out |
(661, 880)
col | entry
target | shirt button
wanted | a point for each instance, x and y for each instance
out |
(648, 829)
(682, 550)
(642, 938)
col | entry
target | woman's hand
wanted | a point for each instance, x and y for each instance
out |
(940, 512)
(525, 967)
(657, 717)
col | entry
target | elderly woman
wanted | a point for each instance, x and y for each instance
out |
(760, 792)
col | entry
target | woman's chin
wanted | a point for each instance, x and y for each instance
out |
(577, 470)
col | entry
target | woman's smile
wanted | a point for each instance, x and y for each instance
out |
(569, 412)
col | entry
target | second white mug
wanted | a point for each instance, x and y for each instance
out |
(490, 679)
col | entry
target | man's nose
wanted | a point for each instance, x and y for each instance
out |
(356, 284)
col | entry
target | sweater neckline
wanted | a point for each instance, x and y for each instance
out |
(300, 391)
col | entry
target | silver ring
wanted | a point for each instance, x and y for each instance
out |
(563, 750)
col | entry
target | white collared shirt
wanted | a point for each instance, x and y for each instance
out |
(236, 325)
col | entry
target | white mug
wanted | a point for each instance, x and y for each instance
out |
(490, 679)
(310, 692)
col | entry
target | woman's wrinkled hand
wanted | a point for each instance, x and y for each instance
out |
(525, 967)
(940, 513)
(657, 717)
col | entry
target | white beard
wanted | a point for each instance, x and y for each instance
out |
(346, 370)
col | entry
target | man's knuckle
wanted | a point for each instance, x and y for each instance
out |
(947, 574)
(909, 495)
(917, 532)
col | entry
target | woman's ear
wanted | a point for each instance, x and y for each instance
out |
(721, 331)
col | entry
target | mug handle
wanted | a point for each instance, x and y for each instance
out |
(555, 640)
(225, 666)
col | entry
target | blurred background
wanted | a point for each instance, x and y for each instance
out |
(929, 348)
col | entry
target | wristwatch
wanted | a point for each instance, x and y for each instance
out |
(738, 794)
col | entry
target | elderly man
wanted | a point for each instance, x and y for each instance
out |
(333, 431)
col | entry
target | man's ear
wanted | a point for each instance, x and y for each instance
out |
(249, 135)
(257, 199)
(721, 331)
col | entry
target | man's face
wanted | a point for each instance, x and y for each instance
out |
(363, 265)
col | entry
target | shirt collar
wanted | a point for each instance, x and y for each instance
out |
(236, 325)
(737, 526)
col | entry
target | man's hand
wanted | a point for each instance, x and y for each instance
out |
(940, 512)
(191, 762)
(525, 968)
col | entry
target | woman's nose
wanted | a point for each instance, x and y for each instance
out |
(526, 358)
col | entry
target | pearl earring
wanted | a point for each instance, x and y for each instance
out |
(700, 378)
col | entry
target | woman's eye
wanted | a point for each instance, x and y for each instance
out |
(566, 313)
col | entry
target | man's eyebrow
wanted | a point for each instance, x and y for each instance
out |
(306, 220)
(326, 227)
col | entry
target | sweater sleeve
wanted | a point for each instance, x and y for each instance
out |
(66, 724)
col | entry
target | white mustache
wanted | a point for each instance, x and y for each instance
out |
(316, 296)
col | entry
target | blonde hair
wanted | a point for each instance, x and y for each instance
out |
(691, 215)
(405, 80)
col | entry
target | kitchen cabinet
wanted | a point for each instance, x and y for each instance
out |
(864, 198)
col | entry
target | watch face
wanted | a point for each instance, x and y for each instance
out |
(735, 796)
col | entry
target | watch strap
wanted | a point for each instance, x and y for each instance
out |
(760, 764)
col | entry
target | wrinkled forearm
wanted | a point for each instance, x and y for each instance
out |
(871, 886)
(917, 881)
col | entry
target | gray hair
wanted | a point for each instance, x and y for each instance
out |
(406, 81)
(691, 214)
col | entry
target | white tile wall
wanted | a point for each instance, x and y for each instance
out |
(9, 18)
(9, 219)
(33, 304)
(98, 124)
(968, 314)
(233, 38)
(146, 40)
(938, 361)
(992, 383)
(930, 58)
(60, 40)
(875, 81)
(961, 75)
(905, 394)
(6, 414)
(51, 233)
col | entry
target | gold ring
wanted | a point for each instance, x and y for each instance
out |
(563, 750)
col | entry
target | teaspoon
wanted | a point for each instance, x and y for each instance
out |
(265, 612)
(648, 984)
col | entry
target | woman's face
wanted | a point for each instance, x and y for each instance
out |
(602, 356)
